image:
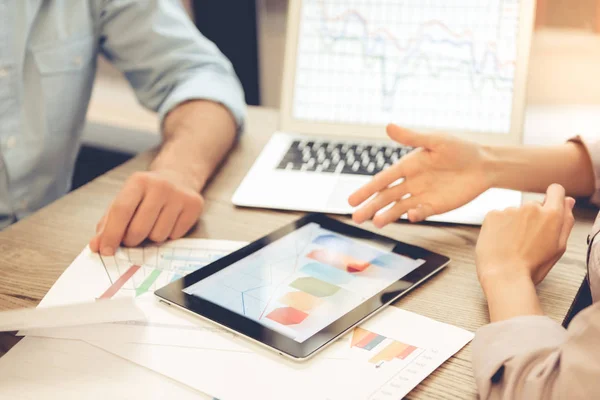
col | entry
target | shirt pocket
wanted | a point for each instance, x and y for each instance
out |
(67, 57)
(66, 73)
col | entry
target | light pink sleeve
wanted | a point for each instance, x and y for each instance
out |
(593, 149)
(593, 258)
(534, 357)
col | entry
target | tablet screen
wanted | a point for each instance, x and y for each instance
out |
(305, 280)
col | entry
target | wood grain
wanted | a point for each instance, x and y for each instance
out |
(35, 251)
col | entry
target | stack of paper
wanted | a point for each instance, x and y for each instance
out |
(385, 358)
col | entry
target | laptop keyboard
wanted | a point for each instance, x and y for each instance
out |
(340, 157)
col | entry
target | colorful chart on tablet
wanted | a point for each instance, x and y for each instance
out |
(302, 282)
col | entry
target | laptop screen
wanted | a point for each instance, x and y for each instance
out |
(437, 64)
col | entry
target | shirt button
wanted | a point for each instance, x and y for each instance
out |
(11, 142)
(3, 73)
(23, 204)
(78, 61)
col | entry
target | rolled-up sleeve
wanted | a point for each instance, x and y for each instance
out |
(164, 57)
(593, 150)
(534, 357)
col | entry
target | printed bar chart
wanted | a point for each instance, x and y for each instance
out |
(119, 283)
(363, 339)
(148, 282)
(136, 271)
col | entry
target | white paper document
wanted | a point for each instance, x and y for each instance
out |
(45, 369)
(134, 273)
(78, 314)
(383, 359)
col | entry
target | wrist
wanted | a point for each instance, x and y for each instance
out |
(492, 166)
(505, 274)
(510, 296)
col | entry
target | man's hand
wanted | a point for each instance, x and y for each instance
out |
(155, 205)
(526, 241)
(444, 173)
(165, 203)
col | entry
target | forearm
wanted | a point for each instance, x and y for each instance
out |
(533, 169)
(510, 297)
(197, 136)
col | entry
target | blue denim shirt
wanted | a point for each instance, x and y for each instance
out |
(48, 51)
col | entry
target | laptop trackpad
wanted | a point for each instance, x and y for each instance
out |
(344, 187)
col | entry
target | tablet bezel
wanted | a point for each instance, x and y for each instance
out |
(173, 292)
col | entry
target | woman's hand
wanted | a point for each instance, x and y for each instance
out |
(525, 241)
(442, 174)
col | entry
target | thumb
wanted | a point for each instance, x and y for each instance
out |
(409, 138)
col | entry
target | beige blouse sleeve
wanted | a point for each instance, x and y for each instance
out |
(534, 357)
(593, 261)
(593, 149)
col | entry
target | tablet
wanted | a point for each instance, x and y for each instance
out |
(299, 288)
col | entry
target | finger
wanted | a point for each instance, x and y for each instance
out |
(555, 197)
(165, 222)
(569, 222)
(118, 218)
(145, 217)
(422, 212)
(95, 241)
(188, 217)
(381, 200)
(379, 182)
(95, 244)
(397, 211)
(409, 138)
(100, 224)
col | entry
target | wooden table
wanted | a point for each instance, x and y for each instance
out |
(35, 251)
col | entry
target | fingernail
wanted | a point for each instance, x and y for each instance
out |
(107, 251)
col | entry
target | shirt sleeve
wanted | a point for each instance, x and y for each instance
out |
(164, 57)
(534, 357)
(593, 150)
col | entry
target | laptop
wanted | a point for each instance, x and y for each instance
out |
(351, 67)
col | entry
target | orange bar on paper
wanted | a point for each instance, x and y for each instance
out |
(358, 335)
(390, 352)
(407, 352)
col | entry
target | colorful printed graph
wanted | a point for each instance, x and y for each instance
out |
(366, 340)
(137, 271)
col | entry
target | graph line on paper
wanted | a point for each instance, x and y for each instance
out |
(426, 64)
(136, 271)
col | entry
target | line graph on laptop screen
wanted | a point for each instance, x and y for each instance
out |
(438, 64)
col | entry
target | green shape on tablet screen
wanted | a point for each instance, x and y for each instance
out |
(314, 286)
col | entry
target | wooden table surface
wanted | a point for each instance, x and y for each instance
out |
(35, 251)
